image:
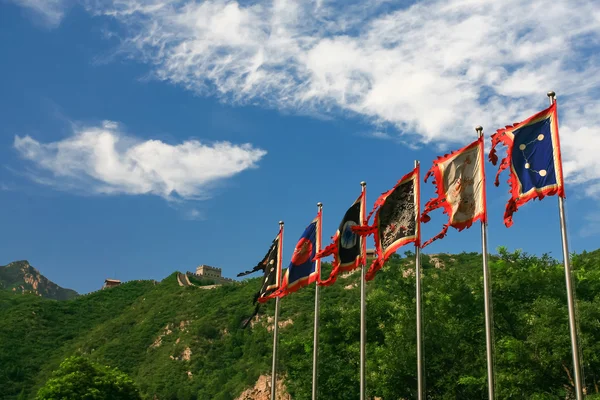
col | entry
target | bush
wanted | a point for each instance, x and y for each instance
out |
(78, 378)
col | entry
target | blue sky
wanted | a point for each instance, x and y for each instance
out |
(142, 137)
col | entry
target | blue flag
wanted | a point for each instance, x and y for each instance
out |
(533, 157)
(302, 270)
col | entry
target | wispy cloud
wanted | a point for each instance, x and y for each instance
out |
(431, 70)
(434, 69)
(103, 160)
(51, 12)
(194, 215)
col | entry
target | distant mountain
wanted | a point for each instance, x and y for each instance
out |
(21, 277)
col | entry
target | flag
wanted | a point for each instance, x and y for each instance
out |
(396, 220)
(459, 180)
(346, 247)
(271, 267)
(533, 156)
(302, 270)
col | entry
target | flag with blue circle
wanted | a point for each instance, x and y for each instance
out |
(533, 158)
(347, 247)
(303, 269)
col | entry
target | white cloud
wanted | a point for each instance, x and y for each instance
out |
(193, 215)
(104, 160)
(434, 70)
(50, 11)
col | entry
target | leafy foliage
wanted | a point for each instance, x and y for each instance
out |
(78, 378)
(186, 342)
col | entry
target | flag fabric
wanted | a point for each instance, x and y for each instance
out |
(533, 157)
(459, 180)
(396, 221)
(303, 269)
(347, 245)
(271, 267)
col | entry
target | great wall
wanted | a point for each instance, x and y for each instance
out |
(203, 273)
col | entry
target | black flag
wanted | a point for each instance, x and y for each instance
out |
(349, 242)
(271, 267)
(346, 247)
(396, 220)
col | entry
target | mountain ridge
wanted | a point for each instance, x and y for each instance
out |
(21, 277)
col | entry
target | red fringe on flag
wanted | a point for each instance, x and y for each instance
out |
(517, 199)
(441, 200)
(500, 137)
(333, 249)
(367, 230)
(329, 250)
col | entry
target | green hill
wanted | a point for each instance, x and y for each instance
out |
(186, 343)
(21, 277)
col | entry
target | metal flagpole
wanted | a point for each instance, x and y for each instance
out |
(363, 311)
(489, 343)
(316, 324)
(420, 393)
(570, 294)
(276, 323)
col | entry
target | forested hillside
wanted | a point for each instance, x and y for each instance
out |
(20, 277)
(186, 342)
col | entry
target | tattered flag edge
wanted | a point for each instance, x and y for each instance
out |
(285, 288)
(505, 136)
(333, 249)
(441, 200)
(382, 256)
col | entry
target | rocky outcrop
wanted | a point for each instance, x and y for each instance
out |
(282, 324)
(21, 277)
(262, 390)
(436, 261)
(267, 321)
(166, 331)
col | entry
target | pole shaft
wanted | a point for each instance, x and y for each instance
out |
(363, 310)
(315, 377)
(363, 331)
(489, 344)
(570, 302)
(276, 320)
(315, 345)
(275, 343)
(420, 394)
(419, 322)
(570, 292)
(487, 296)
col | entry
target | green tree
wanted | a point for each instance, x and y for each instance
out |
(78, 378)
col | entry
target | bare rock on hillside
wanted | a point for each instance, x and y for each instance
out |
(262, 390)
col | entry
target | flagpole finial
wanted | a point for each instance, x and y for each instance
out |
(320, 205)
(551, 94)
(363, 184)
(280, 222)
(416, 163)
(479, 130)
